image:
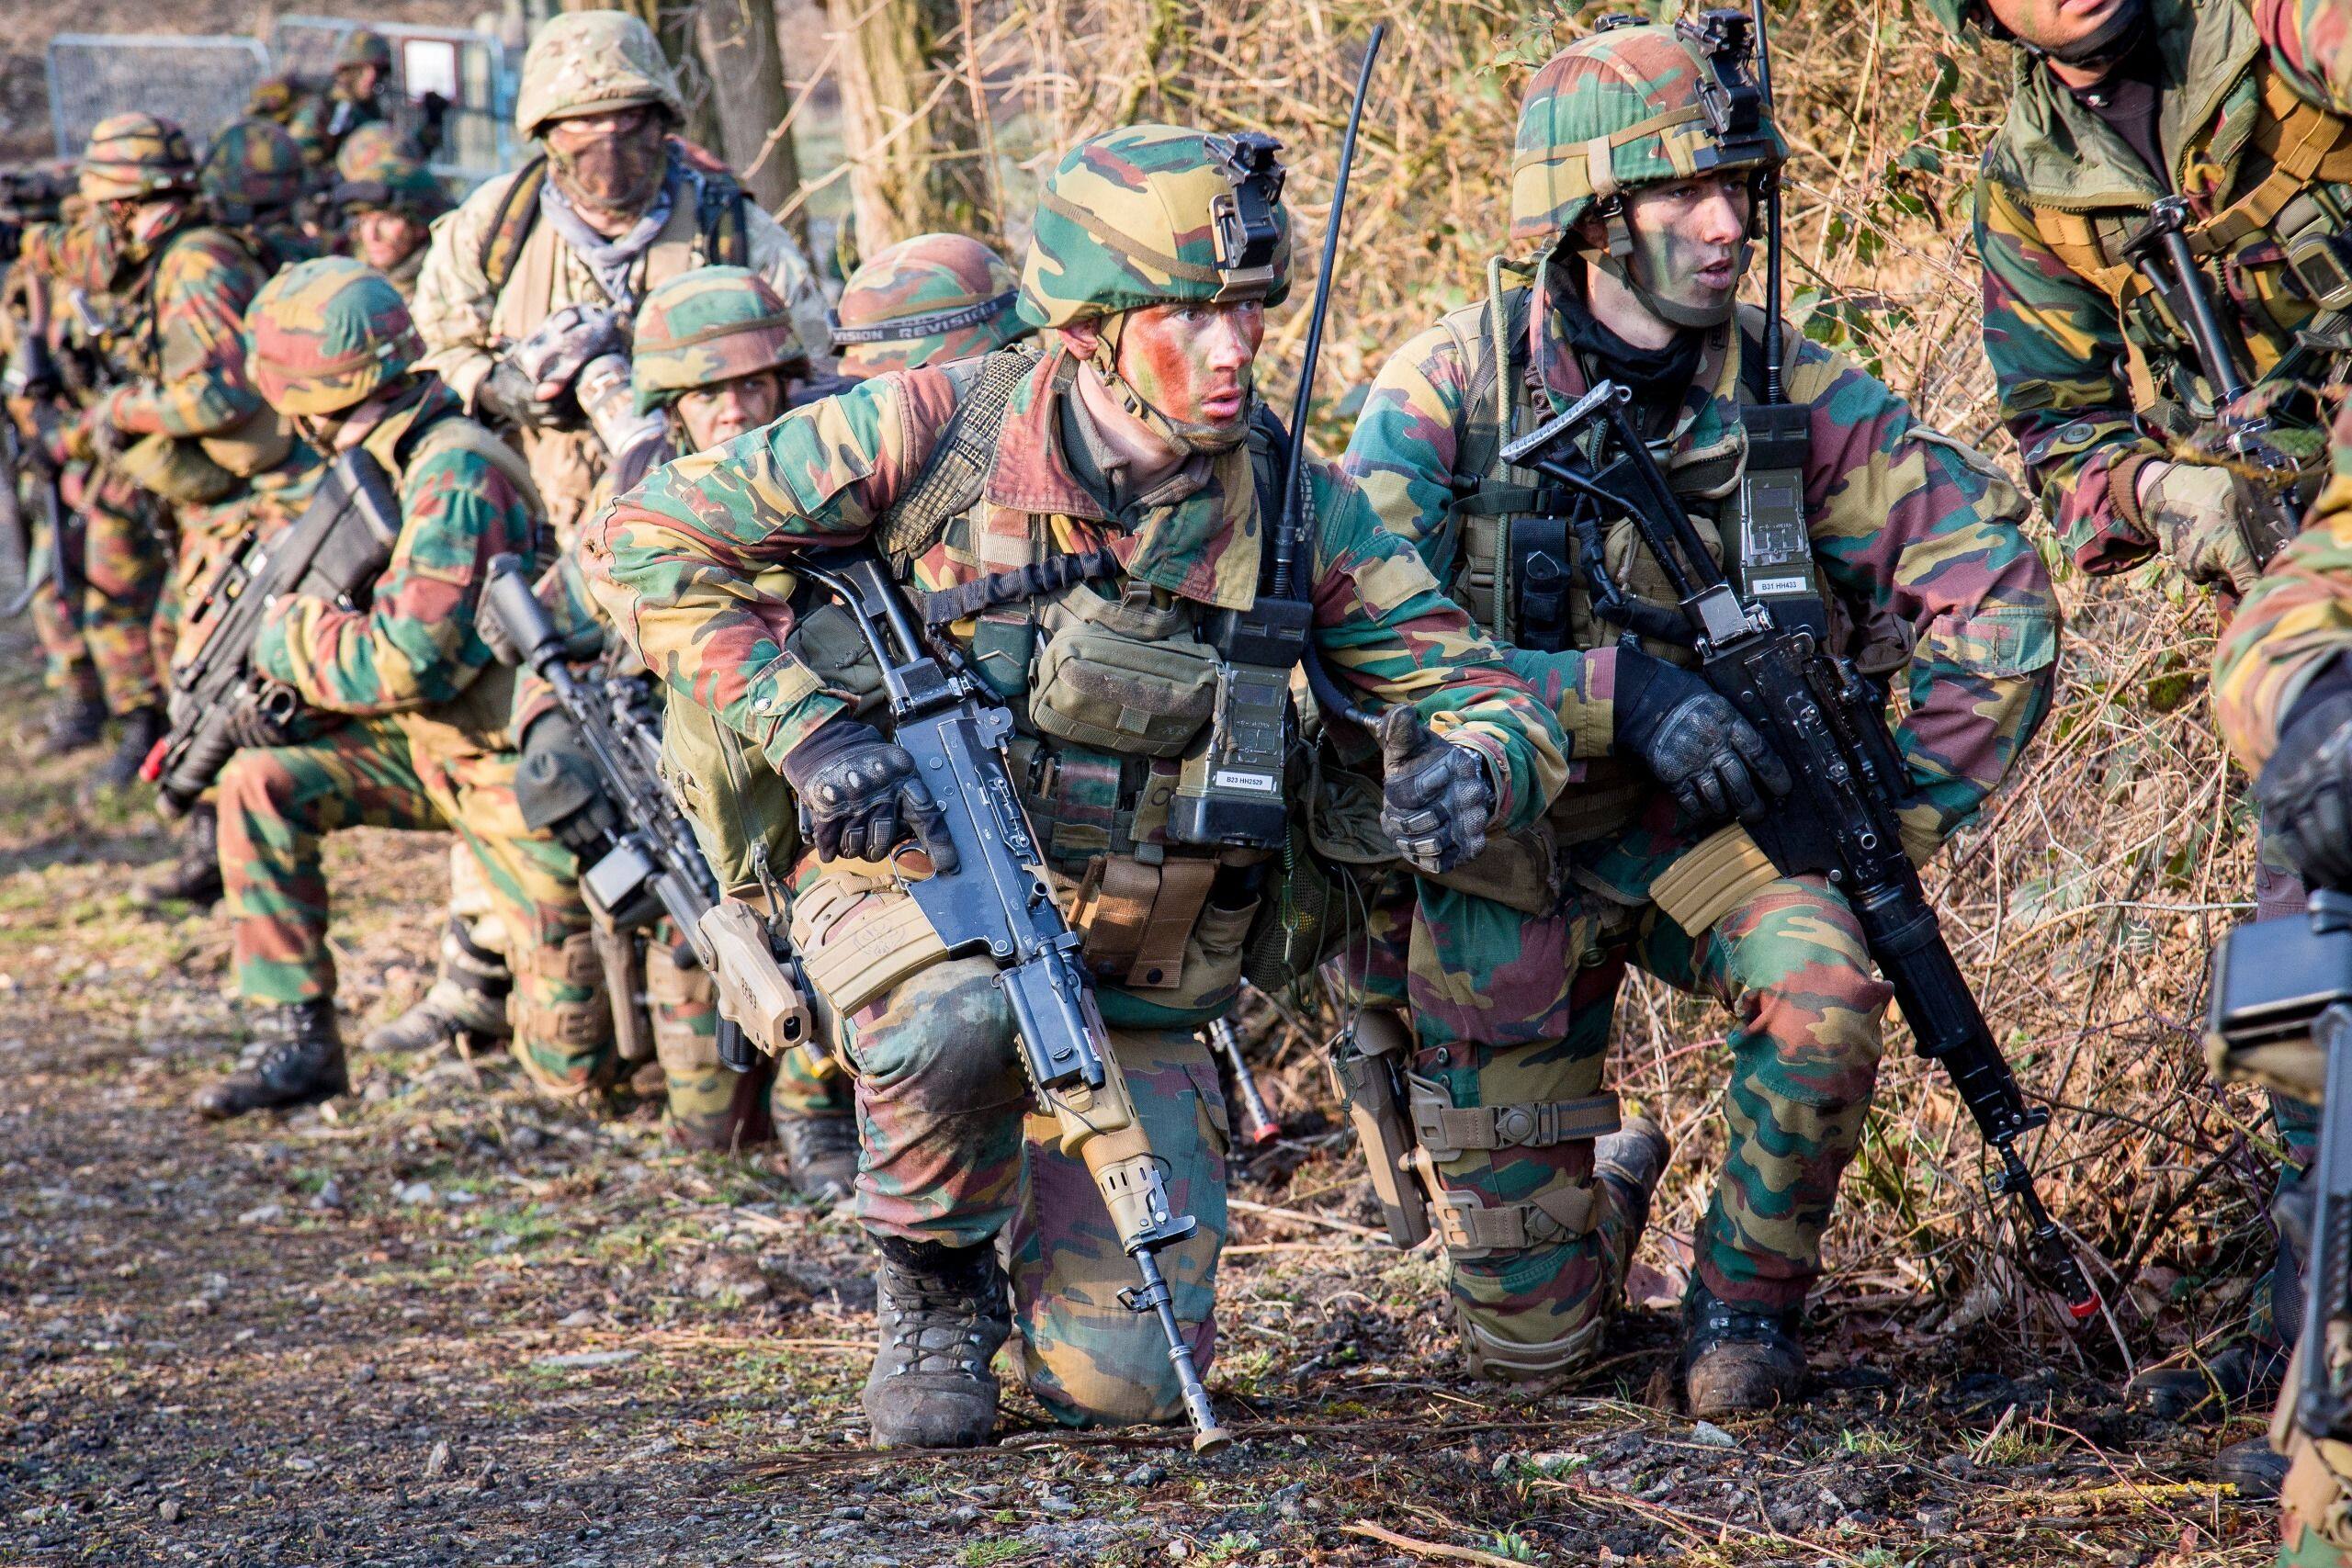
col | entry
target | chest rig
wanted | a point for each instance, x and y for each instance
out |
(1155, 736)
(2281, 250)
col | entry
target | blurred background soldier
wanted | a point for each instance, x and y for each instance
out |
(383, 203)
(353, 98)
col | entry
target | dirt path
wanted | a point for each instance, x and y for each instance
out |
(447, 1324)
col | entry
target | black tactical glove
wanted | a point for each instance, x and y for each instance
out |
(2306, 787)
(533, 383)
(1435, 797)
(1693, 740)
(860, 798)
(557, 787)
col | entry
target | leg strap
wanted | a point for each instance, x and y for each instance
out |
(1445, 1131)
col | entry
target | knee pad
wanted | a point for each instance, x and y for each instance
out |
(684, 1009)
(1503, 1343)
(566, 1043)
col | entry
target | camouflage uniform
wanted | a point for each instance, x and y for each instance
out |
(940, 1096)
(581, 62)
(319, 120)
(2277, 659)
(427, 746)
(254, 180)
(926, 301)
(1917, 540)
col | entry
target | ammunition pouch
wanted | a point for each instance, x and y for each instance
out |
(1123, 676)
(850, 965)
(1711, 879)
(1136, 916)
(176, 468)
(826, 639)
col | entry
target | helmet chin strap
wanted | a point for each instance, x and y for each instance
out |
(1619, 262)
(1186, 437)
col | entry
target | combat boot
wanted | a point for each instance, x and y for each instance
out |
(2253, 1467)
(70, 724)
(943, 1317)
(1736, 1361)
(195, 877)
(1631, 1161)
(820, 1154)
(468, 999)
(141, 728)
(295, 1059)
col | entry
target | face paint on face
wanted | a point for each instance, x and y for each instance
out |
(384, 240)
(1195, 366)
(715, 415)
(1689, 247)
(611, 163)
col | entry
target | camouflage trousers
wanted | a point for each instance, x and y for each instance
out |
(67, 668)
(1513, 1010)
(276, 806)
(950, 1152)
(711, 1106)
(121, 564)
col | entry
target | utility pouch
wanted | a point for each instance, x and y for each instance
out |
(826, 639)
(176, 469)
(1136, 916)
(255, 444)
(2316, 237)
(1540, 581)
(1124, 677)
(1315, 910)
(1364, 1063)
(1519, 871)
(851, 963)
(621, 955)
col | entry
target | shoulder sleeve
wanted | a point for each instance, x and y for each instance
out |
(455, 305)
(2311, 42)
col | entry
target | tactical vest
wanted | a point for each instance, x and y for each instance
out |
(1108, 691)
(1498, 510)
(2285, 231)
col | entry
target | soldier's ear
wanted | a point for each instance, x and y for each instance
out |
(1080, 338)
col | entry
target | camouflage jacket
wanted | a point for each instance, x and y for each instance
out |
(310, 122)
(671, 563)
(414, 647)
(1916, 538)
(2078, 346)
(178, 333)
(2299, 617)
(466, 324)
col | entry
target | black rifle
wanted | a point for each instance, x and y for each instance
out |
(1829, 726)
(988, 893)
(33, 376)
(2161, 253)
(2276, 983)
(336, 551)
(650, 862)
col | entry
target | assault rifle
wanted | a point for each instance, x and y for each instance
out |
(988, 893)
(2280, 983)
(1829, 726)
(336, 551)
(33, 377)
(2161, 253)
(651, 863)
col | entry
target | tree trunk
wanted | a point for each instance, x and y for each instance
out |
(738, 44)
(907, 122)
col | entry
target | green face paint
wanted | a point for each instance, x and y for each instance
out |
(1690, 248)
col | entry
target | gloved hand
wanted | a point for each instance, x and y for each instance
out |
(557, 787)
(859, 797)
(1435, 797)
(253, 727)
(2196, 512)
(1694, 740)
(96, 436)
(2305, 789)
(533, 383)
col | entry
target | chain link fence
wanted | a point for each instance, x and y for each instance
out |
(199, 81)
(471, 70)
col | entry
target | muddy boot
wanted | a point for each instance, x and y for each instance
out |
(467, 1000)
(1735, 1363)
(295, 1059)
(943, 1317)
(141, 728)
(195, 877)
(2253, 1467)
(70, 724)
(820, 1155)
(1632, 1160)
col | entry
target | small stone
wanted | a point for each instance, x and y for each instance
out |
(413, 1193)
(1714, 1437)
(329, 1196)
(1290, 1501)
(201, 1306)
(583, 1318)
(1178, 1550)
(732, 1274)
(1144, 1475)
(1058, 1507)
(588, 1359)
(436, 1462)
(363, 1372)
(965, 1514)
(266, 1215)
(168, 1510)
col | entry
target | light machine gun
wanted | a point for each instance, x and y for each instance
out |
(334, 551)
(651, 863)
(2280, 984)
(988, 895)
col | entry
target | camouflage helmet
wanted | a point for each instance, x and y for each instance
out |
(133, 155)
(1130, 219)
(707, 326)
(592, 62)
(272, 99)
(326, 334)
(374, 170)
(925, 301)
(1615, 110)
(363, 46)
(253, 167)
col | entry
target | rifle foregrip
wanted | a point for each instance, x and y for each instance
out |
(185, 766)
(519, 613)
